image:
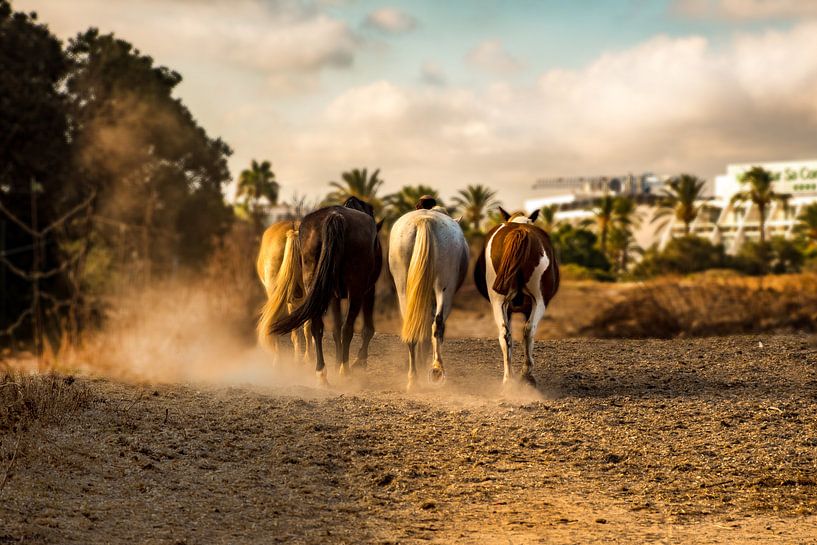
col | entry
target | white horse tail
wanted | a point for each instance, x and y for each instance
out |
(420, 285)
(283, 289)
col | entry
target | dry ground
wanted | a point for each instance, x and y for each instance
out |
(708, 440)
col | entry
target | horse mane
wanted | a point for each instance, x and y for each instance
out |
(360, 205)
(516, 249)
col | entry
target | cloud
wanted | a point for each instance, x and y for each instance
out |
(492, 57)
(287, 41)
(667, 105)
(745, 9)
(432, 74)
(391, 20)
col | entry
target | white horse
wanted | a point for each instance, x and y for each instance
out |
(428, 258)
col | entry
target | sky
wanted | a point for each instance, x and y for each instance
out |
(482, 91)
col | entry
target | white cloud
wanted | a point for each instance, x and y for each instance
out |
(287, 41)
(667, 105)
(491, 56)
(391, 20)
(746, 9)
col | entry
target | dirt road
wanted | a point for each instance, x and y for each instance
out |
(685, 441)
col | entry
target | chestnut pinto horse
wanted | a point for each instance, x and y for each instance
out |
(517, 272)
(340, 258)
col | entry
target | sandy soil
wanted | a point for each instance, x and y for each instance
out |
(686, 441)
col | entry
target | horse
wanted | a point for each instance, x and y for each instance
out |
(341, 258)
(517, 272)
(428, 260)
(279, 269)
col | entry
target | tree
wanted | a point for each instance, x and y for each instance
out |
(357, 183)
(760, 193)
(406, 199)
(36, 185)
(159, 176)
(547, 216)
(256, 184)
(603, 214)
(625, 219)
(473, 202)
(680, 198)
(807, 223)
(579, 246)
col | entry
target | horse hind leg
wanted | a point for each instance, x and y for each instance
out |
(503, 323)
(348, 331)
(529, 332)
(437, 372)
(368, 330)
(320, 365)
(337, 324)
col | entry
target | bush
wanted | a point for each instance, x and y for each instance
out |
(578, 246)
(572, 271)
(777, 256)
(684, 255)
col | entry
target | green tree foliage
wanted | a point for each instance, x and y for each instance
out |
(777, 256)
(547, 217)
(97, 123)
(154, 167)
(603, 215)
(357, 183)
(807, 223)
(473, 203)
(35, 152)
(759, 192)
(406, 199)
(257, 189)
(680, 197)
(682, 255)
(579, 246)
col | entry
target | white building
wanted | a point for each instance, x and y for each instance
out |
(723, 221)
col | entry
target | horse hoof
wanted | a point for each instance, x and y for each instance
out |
(528, 379)
(359, 363)
(322, 382)
(343, 371)
(436, 376)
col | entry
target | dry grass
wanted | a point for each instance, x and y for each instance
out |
(670, 307)
(49, 399)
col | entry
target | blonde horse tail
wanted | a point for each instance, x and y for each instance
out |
(283, 289)
(420, 285)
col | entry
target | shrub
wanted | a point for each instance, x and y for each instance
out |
(683, 255)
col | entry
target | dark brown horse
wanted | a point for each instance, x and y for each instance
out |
(341, 258)
(517, 272)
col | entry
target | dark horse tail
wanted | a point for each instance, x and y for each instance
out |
(325, 279)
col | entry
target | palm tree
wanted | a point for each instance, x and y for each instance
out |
(604, 215)
(808, 223)
(254, 184)
(473, 203)
(625, 219)
(760, 193)
(357, 183)
(547, 215)
(681, 195)
(406, 199)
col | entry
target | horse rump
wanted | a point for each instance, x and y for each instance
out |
(324, 280)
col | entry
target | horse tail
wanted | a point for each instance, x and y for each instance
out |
(420, 285)
(516, 250)
(324, 281)
(283, 288)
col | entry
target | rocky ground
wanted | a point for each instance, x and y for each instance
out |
(709, 440)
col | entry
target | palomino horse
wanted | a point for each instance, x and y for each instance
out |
(428, 259)
(341, 258)
(279, 268)
(517, 272)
